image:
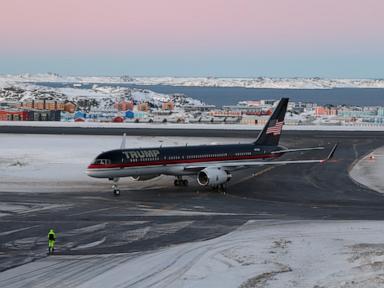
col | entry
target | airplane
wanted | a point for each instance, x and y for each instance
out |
(211, 164)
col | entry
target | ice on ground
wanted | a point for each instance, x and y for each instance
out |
(162, 212)
(89, 245)
(5, 233)
(369, 170)
(48, 163)
(7, 209)
(87, 229)
(265, 253)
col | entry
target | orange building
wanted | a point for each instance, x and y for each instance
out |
(40, 105)
(54, 105)
(69, 107)
(143, 107)
(27, 104)
(325, 111)
(124, 105)
(168, 105)
(43, 105)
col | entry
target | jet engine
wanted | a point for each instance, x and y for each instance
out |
(213, 177)
(143, 177)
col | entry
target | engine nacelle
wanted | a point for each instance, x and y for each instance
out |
(143, 177)
(213, 176)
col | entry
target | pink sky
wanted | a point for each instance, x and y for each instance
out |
(119, 26)
(193, 37)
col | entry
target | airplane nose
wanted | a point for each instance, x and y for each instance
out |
(90, 170)
(90, 166)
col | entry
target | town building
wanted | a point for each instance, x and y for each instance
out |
(48, 105)
(9, 115)
(198, 108)
(168, 106)
(325, 111)
(124, 105)
(30, 115)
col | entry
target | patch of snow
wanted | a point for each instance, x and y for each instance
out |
(369, 170)
(87, 229)
(90, 245)
(171, 212)
(56, 163)
(17, 230)
(263, 253)
(190, 126)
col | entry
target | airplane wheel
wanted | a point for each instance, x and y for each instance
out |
(176, 182)
(185, 182)
(116, 192)
(221, 189)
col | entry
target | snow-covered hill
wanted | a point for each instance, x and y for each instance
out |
(257, 82)
(100, 96)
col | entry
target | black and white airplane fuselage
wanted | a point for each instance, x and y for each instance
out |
(176, 161)
(212, 164)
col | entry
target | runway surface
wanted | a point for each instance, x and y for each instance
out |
(146, 218)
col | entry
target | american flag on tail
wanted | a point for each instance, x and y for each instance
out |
(275, 127)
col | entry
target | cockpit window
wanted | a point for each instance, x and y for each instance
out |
(102, 161)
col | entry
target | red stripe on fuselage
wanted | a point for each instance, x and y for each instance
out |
(182, 161)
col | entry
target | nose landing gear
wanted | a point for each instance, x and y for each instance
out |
(116, 190)
(115, 187)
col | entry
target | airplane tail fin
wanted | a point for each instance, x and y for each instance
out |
(270, 135)
(123, 141)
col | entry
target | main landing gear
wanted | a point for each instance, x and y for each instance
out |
(220, 188)
(115, 186)
(179, 181)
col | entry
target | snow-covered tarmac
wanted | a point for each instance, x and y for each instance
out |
(49, 163)
(258, 254)
(261, 253)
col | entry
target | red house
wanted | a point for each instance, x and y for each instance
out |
(118, 119)
(13, 115)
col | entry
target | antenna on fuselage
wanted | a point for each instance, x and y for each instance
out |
(122, 146)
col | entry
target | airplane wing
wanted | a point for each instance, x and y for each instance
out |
(242, 164)
(297, 150)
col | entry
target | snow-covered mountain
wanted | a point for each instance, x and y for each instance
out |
(258, 82)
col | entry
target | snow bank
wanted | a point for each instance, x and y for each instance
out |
(186, 126)
(259, 254)
(369, 170)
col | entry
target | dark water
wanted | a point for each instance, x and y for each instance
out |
(220, 96)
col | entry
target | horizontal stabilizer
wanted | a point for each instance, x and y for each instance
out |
(330, 156)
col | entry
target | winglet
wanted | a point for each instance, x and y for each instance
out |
(330, 155)
(122, 146)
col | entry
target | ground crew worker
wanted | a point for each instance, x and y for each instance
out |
(51, 241)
